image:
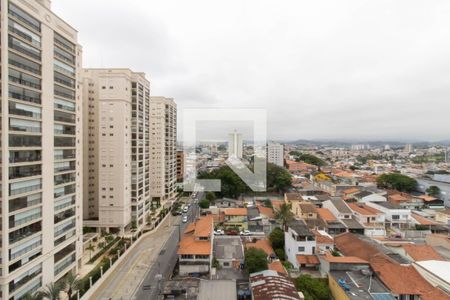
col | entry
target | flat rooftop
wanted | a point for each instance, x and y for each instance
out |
(357, 285)
(228, 247)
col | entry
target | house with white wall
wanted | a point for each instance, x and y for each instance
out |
(298, 241)
(395, 215)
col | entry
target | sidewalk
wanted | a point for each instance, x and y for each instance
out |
(121, 284)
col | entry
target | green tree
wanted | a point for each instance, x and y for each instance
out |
(280, 254)
(91, 249)
(397, 181)
(308, 158)
(204, 203)
(71, 284)
(210, 196)
(51, 291)
(434, 191)
(255, 260)
(278, 178)
(276, 238)
(268, 203)
(284, 214)
(312, 288)
(34, 296)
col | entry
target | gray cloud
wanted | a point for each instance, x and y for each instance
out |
(322, 69)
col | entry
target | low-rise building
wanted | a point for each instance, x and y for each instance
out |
(235, 217)
(298, 240)
(366, 196)
(443, 216)
(396, 216)
(269, 284)
(195, 251)
(229, 251)
(371, 218)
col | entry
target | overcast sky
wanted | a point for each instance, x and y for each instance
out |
(322, 69)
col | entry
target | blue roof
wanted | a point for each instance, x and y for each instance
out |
(382, 296)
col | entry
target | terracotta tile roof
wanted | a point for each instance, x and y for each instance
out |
(326, 214)
(235, 211)
(308, 259)
(268, 284)
(293, 197)
(203, 226)
(404, 280)
(427, 198)
(422, 220)
(276, 203)
(350, 245)
(307, 207)
(399, 198)
(190, 228)
(263, 244)
(363, 209)
(277, 266)
(267, 211)
(422, 252)
(322, 239)
(445, 212)
(189, 245)
(343, 259)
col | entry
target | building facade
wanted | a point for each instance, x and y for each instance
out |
(41, 161)
(163, 144)
(181, 157)
(116, 148)
(235, 145)
(275, 154)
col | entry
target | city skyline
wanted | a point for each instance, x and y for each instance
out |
(329, 70)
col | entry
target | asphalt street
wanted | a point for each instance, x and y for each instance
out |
(162, 269)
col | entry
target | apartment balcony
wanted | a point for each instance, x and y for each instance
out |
(24, 156)
(24, 232)
(23, 94)
(24, 64)
(64, 215)
(24, 171)
(24, 110)
(25, 186)
(20, 141)
(25, 202)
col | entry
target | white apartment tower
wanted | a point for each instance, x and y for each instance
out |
(275, 154)
(235, 145)
(116, 149)
(41, 155)
(163, 143)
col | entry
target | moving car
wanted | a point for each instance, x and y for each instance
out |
(245, 232)
(219, 232)
(185, 219)
(185, 209)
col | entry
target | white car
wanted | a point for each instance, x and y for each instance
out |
(185, 209)
(245, 232)
(185, 219)
(219, 232)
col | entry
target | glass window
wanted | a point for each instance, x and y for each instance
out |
(24, 33)
(24, 17)
(24, 125)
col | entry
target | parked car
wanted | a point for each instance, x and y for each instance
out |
(185, 209)
(231, 232)
(219, 232)
(245, 232)
(185, 219)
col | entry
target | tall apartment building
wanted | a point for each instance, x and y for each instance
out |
(41, 155)
(163, 143)
(275, 154)
(235, 145)
(116, 148)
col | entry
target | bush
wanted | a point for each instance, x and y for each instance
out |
(204, 203)
(280, 254)
(103, 251)
(276, 238)
(255, 260)
(312, 288)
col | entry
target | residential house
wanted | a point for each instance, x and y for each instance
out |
(443, 216)
(411, 286)
(332, 224)
(366, 196)
(269, 284)
(395, 215)
(405, 200)
(419, 252)
(341, 211)
(227, 203)
(195, 248)
(438, 240)
(298, 241)
(235, 217)
(371, 219)
(431, 202)
(324, 241)
(229, 252)
(254, 220)
(295, 167)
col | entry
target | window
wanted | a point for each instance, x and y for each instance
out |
(395, 217)
(301, 249)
